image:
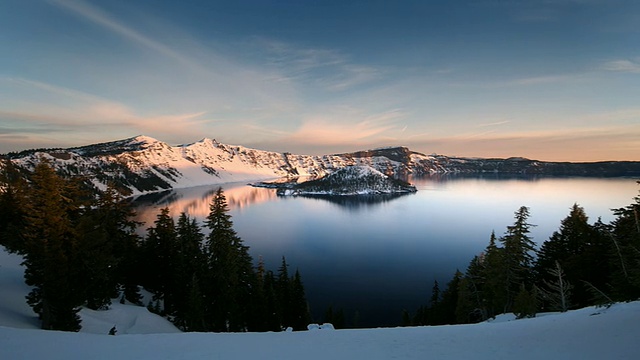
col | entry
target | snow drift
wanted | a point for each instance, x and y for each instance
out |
(590, 333)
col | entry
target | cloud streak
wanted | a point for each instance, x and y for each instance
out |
(98, 17)
(330, 69)
(625, 66)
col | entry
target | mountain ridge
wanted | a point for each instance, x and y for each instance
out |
(142, 164)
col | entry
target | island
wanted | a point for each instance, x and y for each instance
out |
(353, 180)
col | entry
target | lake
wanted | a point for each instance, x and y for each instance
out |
(374, 257)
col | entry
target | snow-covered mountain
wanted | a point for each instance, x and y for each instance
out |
(349, 180)
(143, 164)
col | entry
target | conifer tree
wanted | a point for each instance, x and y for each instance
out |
(472, 305)
(518, 255)
(494, 275)
(284, 294)
(299, 306)
(525, 303)
(159, 256)
(435, 294)
(231, 271)
(577, 247)
(51, 250)
(194, 308)
(109, 246)
(272, 308)
(445, 312)
(625, 249)
(13, 211)
(188, 268)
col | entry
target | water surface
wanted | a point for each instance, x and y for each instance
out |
(374, 258)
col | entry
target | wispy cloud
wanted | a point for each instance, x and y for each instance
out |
(342, 128)
(328, 68)
(545, 79)
(84, 113)
(628, 66)
(497, 123)
(101, 18)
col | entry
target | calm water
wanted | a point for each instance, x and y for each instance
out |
(375, 258)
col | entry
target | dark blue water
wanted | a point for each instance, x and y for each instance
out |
(372, 258)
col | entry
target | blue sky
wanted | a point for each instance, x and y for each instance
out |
(549, 80)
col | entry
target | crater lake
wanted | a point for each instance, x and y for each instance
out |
(372, 257)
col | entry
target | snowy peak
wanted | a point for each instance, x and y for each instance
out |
(143, 164)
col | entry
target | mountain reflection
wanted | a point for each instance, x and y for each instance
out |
(195, 201)
(358, 201)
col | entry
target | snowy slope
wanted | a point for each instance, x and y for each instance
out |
(15, 313)
(612, 334)
(143, 164)
(588, 333)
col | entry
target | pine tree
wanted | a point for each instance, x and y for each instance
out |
(577, 247)
(472, 305)
(625, 249)
(518, 249)
(299, 306)
(188, 268)
(445, 312)
(231, 271)
(159, 257)
(494, 275)
(525, 303)
(272, 307)
(194, 308)
(13, 211)
(51, 250)
(435, 294)
(284, 294)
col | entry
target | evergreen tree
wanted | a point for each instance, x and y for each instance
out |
(518, 255)
(435, 294)
(284, 294)
(231, 271)
(472, 305)
(51, 250)
(13, 211)
(494, 275)
(577, 247)
(625, 240)
(116, 216)
(189, 267)
(445, 312)
(299, 306)
(194, 308)
(159, 257)
(109, 246)
(525, 303)
(272, 308)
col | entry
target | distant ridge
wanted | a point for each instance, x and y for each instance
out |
(142, 164)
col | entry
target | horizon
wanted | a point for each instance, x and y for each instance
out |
(319, 154)
(551, 81)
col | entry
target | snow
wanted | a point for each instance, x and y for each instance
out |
(590, 333)
(205, 162)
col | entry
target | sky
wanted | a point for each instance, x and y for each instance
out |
(555, 80)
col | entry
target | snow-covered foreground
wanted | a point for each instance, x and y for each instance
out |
(588, 333)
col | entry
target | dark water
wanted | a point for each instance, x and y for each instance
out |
(375, 257)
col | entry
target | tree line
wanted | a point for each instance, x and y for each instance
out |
(580, 265)
(81, 250)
